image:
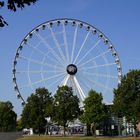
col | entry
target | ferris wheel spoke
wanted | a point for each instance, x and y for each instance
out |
(55, 81)
(50, 48)
(52, 71)
(35, 48)
(88, 85)
(79, 88)
(97, 66)
(92, 59)
(97, 83)
(49, 78)
(38, 71)
(54, 61)
(45, 79)
(20, 72)
(81, 47)
(42, 74)
(74, 42)
(85, 88)
(65, 77)
(28, 68)
(24, 86)
(66, 43)
(57, 44)
(54, 66)
(41, 52)
(90, 50)
(100, 75)
(39, 62)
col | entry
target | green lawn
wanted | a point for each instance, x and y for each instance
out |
(73, 138)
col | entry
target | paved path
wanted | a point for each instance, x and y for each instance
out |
(10, 136)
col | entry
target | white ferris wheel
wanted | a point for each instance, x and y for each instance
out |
(66, 52)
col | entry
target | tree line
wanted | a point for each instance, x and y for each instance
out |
(63, 107)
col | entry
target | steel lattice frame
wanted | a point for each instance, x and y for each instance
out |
(66, 57)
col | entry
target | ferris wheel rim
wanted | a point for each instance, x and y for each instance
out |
(78, 22)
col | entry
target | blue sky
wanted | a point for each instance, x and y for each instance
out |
(119, 20)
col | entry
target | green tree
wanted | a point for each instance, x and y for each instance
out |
(93, 111)
(66, 106)
(34, 112)
(7, 117)
(13, 5)
(127, 98)
(19, 125)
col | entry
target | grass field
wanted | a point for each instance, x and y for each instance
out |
(74, 138)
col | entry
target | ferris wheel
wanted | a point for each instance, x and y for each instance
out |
(66, 52)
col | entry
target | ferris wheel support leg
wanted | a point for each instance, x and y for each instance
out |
(64, 82)
(76, 89)
(79, 88)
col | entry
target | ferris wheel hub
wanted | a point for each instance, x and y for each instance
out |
(71, 69)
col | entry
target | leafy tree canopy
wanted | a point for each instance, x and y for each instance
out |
(66, 106)
(93, 109)
(13, 5)
(7, 117)
(34, 112)
(127, 97)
